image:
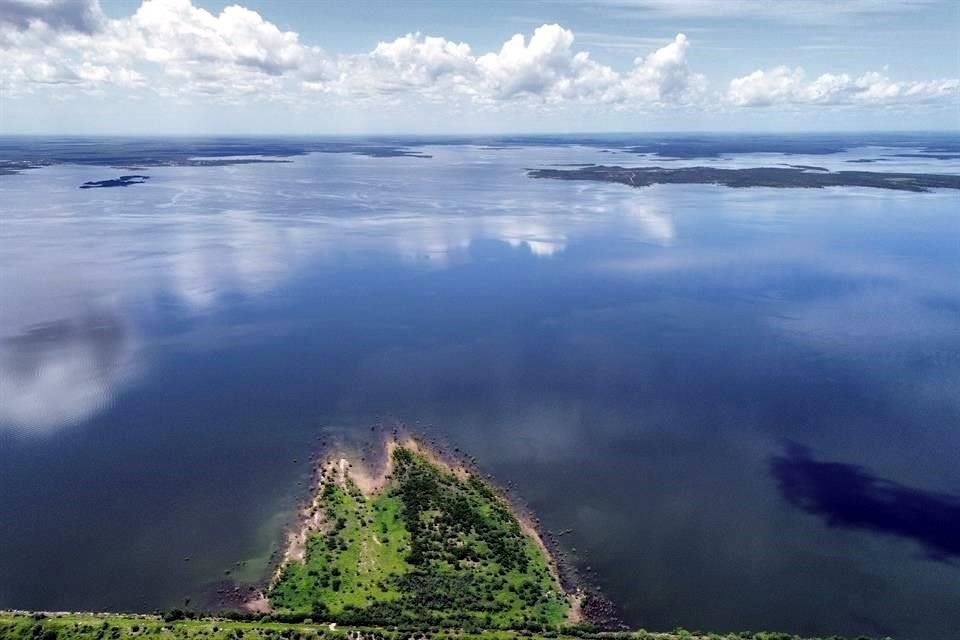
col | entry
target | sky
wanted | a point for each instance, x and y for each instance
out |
(448, 67)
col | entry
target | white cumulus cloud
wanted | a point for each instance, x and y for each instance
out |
(665, 76)
(785, 85)
(183, 49)
(546, 67)
(184, 37)
(177, 50)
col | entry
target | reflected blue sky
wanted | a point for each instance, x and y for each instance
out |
(631, 360)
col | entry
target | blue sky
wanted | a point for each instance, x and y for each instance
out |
(298, 66)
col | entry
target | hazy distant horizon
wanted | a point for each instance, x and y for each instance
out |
(484, 134)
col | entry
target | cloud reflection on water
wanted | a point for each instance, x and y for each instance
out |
(127, 251)
(61, 372)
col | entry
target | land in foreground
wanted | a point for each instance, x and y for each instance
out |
(88, 626)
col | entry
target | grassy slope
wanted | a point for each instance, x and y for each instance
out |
(144, 627)
(430, 547)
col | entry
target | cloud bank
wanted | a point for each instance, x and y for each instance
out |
(176, 50)
(783, 85)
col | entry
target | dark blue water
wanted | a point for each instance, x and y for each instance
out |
(745, 403)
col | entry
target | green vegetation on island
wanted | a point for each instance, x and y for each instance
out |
(423, 543)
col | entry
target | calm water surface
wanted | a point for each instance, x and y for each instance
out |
(744, 403)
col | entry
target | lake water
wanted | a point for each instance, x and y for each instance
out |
(744, 403)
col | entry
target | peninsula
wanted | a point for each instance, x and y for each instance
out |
(415, 538)
(411, 546)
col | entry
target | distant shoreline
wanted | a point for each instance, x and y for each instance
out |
(793, 177)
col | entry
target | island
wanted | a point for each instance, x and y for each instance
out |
(122, 181)
(776, 177)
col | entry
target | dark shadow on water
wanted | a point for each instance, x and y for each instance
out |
(849, 496)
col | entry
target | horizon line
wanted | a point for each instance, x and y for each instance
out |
(677, 132)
